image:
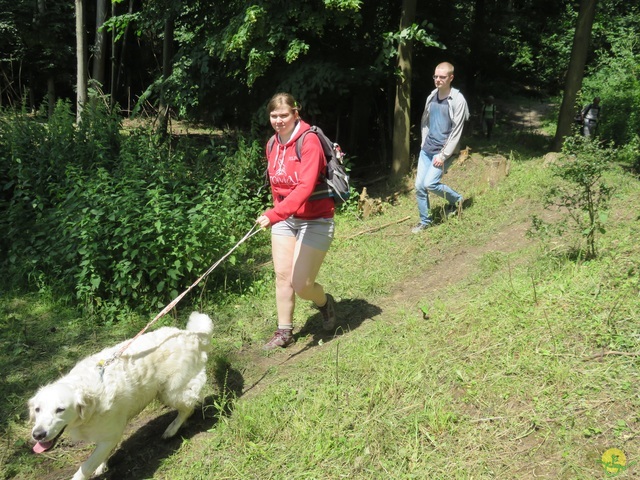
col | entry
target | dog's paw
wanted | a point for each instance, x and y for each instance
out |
(171, 430)
(80, 476)
(101, 469)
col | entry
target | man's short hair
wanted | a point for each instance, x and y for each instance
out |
(446, 65)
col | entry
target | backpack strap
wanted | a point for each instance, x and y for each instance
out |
(321, 190)
(590, 107)
(270, 144)
(299, 144)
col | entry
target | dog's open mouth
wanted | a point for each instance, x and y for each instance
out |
(40, 447)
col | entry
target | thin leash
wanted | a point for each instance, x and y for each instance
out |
(102, 364)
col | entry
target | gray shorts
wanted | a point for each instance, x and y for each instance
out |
(316, 233)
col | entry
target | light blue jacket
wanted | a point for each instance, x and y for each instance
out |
(458, 112)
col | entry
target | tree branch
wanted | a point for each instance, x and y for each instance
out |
(375, 229)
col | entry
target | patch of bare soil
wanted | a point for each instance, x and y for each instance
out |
(527, 116)
(457, 265)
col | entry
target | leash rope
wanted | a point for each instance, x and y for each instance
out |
(104, 363)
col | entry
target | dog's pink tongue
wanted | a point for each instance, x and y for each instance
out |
(42, 446)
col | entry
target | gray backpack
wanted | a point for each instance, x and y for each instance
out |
(335, 183)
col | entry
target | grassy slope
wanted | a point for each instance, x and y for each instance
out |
(467, 353)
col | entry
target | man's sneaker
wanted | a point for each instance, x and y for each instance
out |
(328, 312)
(281, 338)
(420, 227)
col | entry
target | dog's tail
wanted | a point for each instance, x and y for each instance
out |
(201, 324)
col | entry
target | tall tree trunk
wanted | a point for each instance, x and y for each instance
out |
(112, 87)
(167, 69)
(100, 46)
(575, 73)
(402, 112)
(116, 70)
(51, 84)
(51, 95)
(476, 50)
(81, 61)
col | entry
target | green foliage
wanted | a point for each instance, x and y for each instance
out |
(250, 38)
(417, 33)
(343, 5)
(228, 65)
(116, 216)
(582, 192)
(629, 153)
(616, 80)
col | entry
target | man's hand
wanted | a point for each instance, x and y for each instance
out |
(437, 162)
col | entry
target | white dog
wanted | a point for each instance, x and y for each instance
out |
(97, 398)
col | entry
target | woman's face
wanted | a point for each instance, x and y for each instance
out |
(283, 120)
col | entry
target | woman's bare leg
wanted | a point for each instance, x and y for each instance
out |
(306, 265)
(283, 250)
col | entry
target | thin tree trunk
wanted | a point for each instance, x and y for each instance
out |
(402, 112)
(167, 68)
(476, 50)
(112, 89)
(81, 62)
(51, 95)
(120, 61)
(100, 46)
(51, 84)
(575, 73)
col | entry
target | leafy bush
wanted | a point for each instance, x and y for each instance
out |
(629, 154)
(115, 216)
(581, 193)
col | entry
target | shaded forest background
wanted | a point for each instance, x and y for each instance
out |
(219, 62)
(123, 215)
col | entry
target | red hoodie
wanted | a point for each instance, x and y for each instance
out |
(293, 180)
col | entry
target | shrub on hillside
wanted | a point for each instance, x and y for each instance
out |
(581, 192)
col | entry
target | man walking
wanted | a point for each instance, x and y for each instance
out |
(442, 122)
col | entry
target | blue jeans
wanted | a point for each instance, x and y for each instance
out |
(428, 180)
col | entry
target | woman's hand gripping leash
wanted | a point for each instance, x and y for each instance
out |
(263, 221)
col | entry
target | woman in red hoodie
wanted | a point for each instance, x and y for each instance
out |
(301, 227)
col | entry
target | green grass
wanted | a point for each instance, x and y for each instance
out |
(469, 352)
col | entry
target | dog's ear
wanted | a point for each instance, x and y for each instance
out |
(85, 404)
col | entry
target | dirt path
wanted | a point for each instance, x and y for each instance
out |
(452, 267)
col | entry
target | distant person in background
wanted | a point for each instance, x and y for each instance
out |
(488, 115)
(590, 117)
(441, 126)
